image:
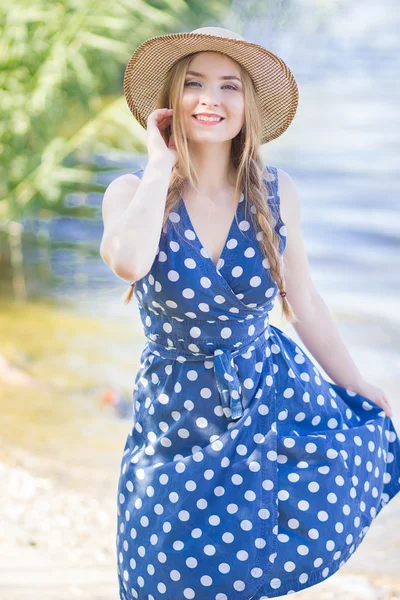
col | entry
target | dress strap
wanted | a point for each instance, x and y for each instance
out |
(270, 177)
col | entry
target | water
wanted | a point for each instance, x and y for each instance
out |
(341, 151)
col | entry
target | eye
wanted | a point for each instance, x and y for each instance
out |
(227, 85)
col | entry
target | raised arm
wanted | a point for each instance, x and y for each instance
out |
(133, 211)
(133, 208)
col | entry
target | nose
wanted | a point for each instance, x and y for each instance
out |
(209, 97)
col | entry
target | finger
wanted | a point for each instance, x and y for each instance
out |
(159, 126)
(386, 400)
(162, 117)
(387, 408)
(389, 411)
(156, 114)
(163, 125)
(163, 112)
(381, 404)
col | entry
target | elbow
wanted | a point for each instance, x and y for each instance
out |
(120, 266)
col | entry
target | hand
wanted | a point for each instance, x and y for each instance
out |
(375, 395)
(157, 149)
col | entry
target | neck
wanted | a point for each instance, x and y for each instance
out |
(213, 164)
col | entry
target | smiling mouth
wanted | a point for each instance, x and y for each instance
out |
(208, 121)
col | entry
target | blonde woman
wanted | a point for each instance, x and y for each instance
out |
(246, 473)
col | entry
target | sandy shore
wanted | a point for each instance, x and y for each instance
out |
(57, 543)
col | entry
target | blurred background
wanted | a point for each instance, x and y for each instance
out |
(69, 347)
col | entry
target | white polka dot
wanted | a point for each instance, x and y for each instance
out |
(255, 281)
(189, 263)
(283, 495)
(249, 252)
(174, 217)
(206, 580)
(248, 383)
(237, 271)
(293, 523)
(190, 234)
(173, 275)
(205, 282)
(226, 332)
(244, 225)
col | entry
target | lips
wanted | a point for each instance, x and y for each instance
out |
(208, 121)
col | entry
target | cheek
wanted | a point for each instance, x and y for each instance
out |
(237, 111)
(188, 102)
(187, 109)
(236, 106)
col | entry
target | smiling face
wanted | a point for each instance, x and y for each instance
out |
(213, 85)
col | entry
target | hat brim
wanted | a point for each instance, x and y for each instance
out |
(274, 82)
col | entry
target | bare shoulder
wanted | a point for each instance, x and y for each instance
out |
(289, 197)
(127, 181)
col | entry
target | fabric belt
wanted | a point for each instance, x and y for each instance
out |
(229, 386)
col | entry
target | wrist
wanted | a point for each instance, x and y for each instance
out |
(356, 384)
(163, 164)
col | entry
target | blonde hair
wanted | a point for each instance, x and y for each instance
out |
(245, 158)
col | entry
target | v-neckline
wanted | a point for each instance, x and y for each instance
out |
(202, 246)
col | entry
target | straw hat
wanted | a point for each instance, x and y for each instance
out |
(274, 82)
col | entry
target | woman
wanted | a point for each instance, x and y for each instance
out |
(246, 474)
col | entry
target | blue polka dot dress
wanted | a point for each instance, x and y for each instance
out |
(246, 473)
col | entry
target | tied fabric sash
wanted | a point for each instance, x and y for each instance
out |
(227, 380)
(228, 383)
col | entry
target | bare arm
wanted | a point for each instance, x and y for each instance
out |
(133, 211)
(315, 326)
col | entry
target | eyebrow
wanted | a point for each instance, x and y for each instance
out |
(223, 77)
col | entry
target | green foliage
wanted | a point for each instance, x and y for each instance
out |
(61, 71)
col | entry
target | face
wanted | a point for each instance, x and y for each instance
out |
(213, 85)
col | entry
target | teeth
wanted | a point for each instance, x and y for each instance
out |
(202, 118)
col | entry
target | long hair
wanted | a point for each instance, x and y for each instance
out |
(245, 158)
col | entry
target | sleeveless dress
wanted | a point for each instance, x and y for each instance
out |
(246, 474)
